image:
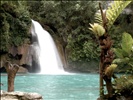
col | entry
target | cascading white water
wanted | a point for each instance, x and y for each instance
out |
(49, 58)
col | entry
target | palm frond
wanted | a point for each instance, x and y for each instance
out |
(115, 9)
(98, 18)
(112, 12)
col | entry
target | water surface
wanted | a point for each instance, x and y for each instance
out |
(58, 87)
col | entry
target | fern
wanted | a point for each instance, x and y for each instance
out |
(98, 18)
(112, 12)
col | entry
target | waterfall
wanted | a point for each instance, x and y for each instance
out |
(49, 59)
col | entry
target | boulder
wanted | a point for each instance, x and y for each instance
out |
(17, 95)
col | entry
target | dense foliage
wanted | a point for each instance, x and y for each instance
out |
(15, 23)
(67, 21)
(124, 86)
(125, 53)
(103, 22)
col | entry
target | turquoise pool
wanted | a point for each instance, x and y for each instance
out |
(58, 87)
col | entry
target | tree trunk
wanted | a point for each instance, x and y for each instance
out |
(109, 87)
(10, 82)
(106, 60)
(106, 57)
(11, 72)
(101, 82)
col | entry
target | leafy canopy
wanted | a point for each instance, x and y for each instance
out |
(15, 23)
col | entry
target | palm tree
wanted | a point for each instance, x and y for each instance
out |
(101, 28)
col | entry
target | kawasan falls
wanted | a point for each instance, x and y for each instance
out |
(52, 82)
(66, 50)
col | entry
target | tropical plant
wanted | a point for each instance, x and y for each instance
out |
(97, 29)
(115, 10)
(106, 20)
(124, 86)
(112, 12)
(125, 53)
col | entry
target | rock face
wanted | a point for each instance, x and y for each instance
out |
(22, 70)
(19, 96)
(24, 56)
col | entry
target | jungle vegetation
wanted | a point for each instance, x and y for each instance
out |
(15, 23)
(66, 20)
(103, 23)
(69, 22)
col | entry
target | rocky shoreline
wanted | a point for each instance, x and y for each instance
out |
(18, 95)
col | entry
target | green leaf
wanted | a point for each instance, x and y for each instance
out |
(118, 52)
(123, 60)
(98, 18)
(110, 70)
(118, 60)
(127, 43)
(114, 11)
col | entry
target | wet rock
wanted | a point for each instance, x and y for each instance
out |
(17, 95)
